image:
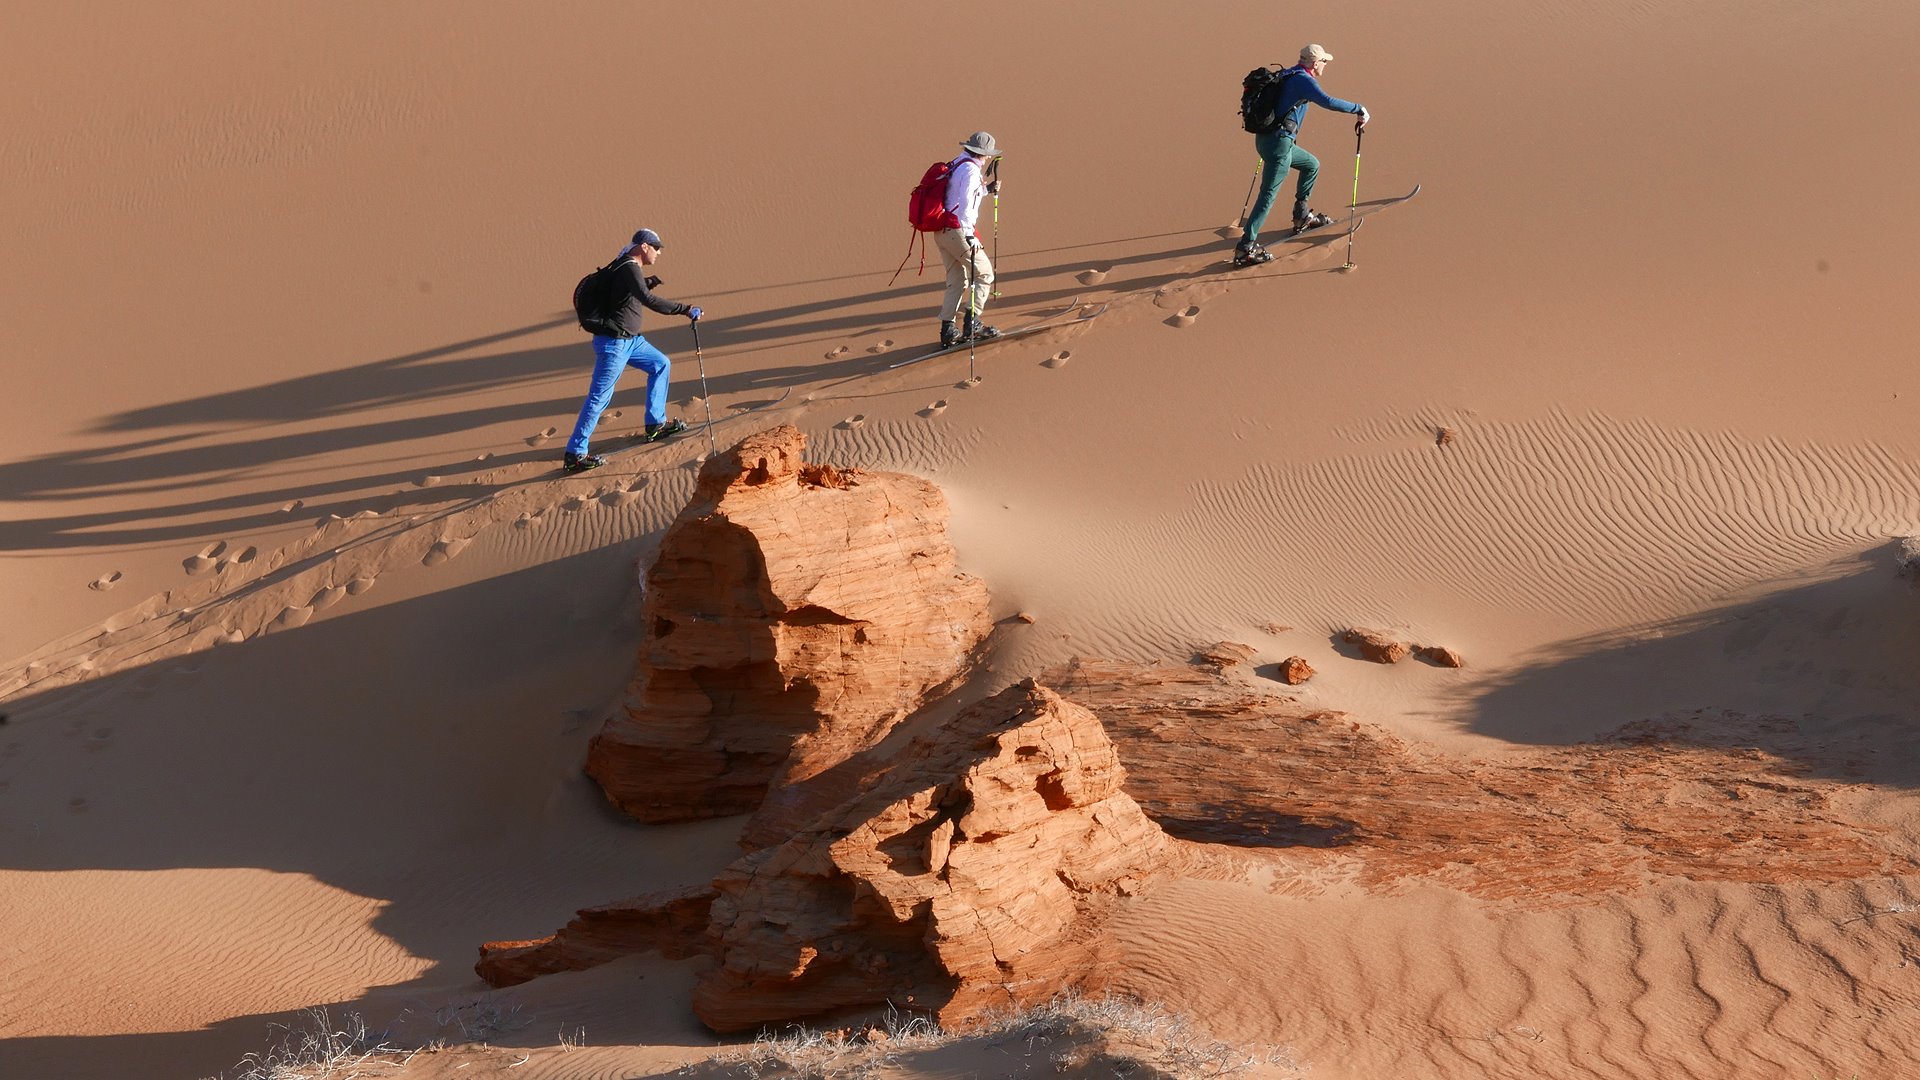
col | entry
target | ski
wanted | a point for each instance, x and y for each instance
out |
(1055, 322)
(694, 430)
(1365, 211)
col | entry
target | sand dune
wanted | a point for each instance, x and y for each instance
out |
(305, 633)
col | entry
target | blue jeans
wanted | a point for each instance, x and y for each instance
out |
(1278, 154)
(611, 356)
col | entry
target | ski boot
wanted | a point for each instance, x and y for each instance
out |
(1250, 253)
(663, 432)
(579, 463)
(1305, 218)
(976, 330)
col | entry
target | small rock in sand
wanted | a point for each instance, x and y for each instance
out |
(1908, 556)
(1225, 654)
(1441, 656)
(1376, 645)
(1295, 670)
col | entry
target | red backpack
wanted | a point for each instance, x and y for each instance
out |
(927, 212)
(927, 206)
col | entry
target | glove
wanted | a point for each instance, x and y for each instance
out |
(653, 282)
(993, 187)
(694, 314)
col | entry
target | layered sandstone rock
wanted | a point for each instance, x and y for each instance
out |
(795, 613)
(672, 922)
(961, 882)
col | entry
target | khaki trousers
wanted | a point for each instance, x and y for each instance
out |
(957, 252)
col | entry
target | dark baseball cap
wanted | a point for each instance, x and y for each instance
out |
(649, 238)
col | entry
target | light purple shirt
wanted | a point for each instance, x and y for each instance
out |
(964, 189)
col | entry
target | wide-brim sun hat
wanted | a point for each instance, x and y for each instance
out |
(982, 144)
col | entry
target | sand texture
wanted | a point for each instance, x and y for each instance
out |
(1513, 637)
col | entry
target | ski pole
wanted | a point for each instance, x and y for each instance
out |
(705, 397)
(1353, 206)
(996, 224)
(1246, 204)
(973, 309)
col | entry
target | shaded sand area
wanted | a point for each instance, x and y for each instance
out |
(307, 637)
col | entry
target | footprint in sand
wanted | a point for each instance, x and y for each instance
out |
(839, 352)
(934, 409)
(620, 497)
(292, 506)
(852, 422)
(327, 597)
(246, 555)
(105, 581)
(486, 456)
(1058, 359)
(426, 481)
(1092, 277)
(529, 519)
(98, 738)
(541, 438)
(1184, 318)
(231, 637)
(444, 550)
(77, 805)
(576, 503)
(359, 585)
(880, 346)
(208, 558)
(289, 618)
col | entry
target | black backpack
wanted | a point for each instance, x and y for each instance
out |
(594, 301)
(1260, 100)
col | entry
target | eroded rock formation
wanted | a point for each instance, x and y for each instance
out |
(956, 884)
(672, 922)
(795, 613)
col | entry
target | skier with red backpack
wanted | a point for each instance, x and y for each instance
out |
(947, 204)
(1273, 105)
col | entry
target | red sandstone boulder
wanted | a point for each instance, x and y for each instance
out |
(1441, 656)
(1295, 670)
(794, 614)
(956, 884)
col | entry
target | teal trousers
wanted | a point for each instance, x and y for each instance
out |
(1278, 154)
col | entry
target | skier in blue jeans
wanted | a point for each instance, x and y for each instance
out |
(1279, 153)
(631, 291)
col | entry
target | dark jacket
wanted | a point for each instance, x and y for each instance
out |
(628, 294)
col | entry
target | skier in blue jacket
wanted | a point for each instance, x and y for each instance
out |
(1279, 152)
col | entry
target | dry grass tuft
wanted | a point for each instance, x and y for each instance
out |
(1075, 1036)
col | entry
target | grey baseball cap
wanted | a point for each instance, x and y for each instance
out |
(981, 143)
(649, 238)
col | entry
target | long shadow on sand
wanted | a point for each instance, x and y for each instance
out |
(426, 754)
(149, 460)
(1824, 672)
